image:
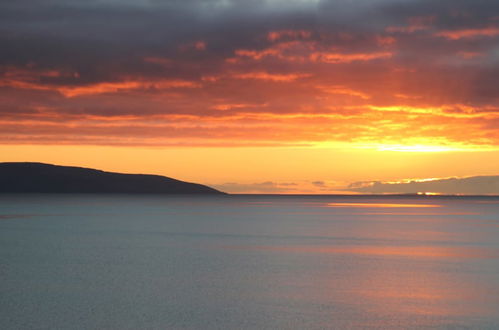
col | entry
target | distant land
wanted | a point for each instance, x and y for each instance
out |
(475, 185)
(47, 178)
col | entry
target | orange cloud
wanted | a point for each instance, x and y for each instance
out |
(22, 80)
(468, 33)
(257, 55)
(344, 90)
(102, 88)
(229, 106)
(296, 51)
(28, 78)
(22, 84)
(99, 88)
(246, 124)
(271, 76)
(327, 57)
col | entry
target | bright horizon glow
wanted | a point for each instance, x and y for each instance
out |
(268, 169)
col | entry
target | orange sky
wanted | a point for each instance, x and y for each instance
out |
(304, 96)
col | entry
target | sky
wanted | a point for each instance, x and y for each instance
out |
(272, 96)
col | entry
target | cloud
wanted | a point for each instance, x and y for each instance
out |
(477, 185)
(249, 72)
(271, 187)
(330, 57)
(343, 90)
(291, 34)
(415, 24)
(469, 33)
(267, 187)
(271, 77)
(307, 51)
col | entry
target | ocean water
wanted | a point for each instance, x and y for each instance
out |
(248, 262)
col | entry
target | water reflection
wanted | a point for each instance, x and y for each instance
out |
(383, 251)
(243, 262)
(404, 269)
(382, 205)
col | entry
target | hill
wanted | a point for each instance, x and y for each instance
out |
(47, 178)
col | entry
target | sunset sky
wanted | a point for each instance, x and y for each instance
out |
(290, 96)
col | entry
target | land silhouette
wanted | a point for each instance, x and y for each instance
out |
(475, 185)
(48, 178)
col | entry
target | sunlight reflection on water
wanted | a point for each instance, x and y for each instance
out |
(382, 205)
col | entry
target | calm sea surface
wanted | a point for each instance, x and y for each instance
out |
(248, 262)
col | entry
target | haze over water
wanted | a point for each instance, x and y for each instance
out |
(248, 262)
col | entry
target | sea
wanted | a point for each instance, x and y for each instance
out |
(248, 262)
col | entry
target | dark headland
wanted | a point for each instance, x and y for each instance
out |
(46, 178)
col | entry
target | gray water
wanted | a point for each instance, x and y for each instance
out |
(248, 262)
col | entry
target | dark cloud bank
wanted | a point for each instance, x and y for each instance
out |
(107, 40)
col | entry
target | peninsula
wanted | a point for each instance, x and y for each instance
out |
(47, 178)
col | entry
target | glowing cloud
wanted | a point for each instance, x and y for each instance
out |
(468, 33)
(271, 77)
